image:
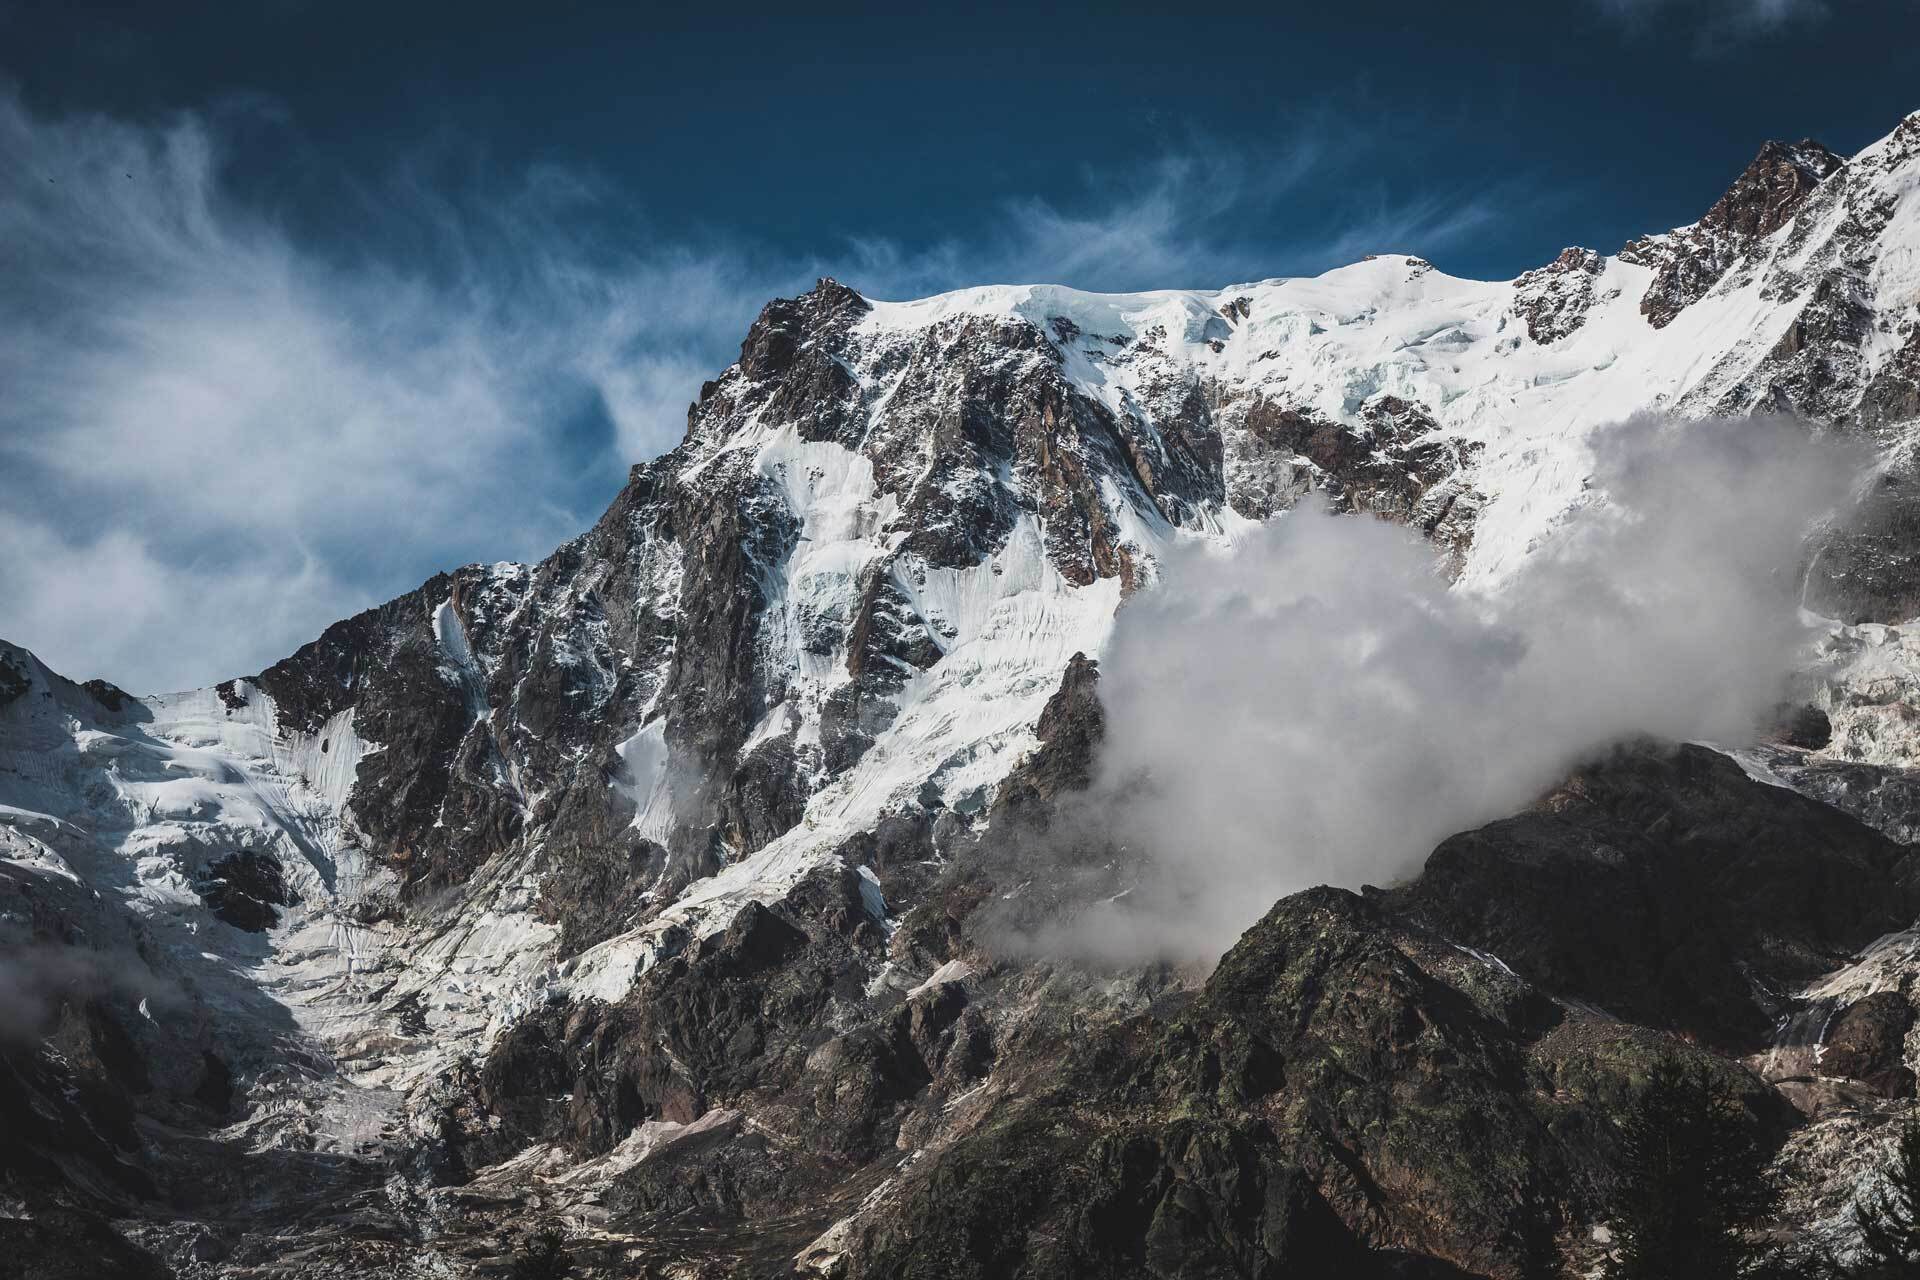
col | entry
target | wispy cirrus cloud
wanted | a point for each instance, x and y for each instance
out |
(1199, 214)
(1717, 24)
(223, 432)
(220, 437)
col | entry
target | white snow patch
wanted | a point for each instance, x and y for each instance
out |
(649, 780)
(951, 971)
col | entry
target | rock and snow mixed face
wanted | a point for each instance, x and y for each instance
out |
(849, 593)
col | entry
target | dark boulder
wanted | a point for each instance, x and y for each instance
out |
(244, 888)
(1669, 888)
(1867, 1042)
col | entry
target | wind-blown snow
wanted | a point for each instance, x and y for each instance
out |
(649, 780)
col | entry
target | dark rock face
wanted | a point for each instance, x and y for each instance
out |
(14, 679)
(1030, 1200)
(597, 892)
(243, 889)
(1553, 300)
(1815, 370)
(1346, 1096)
(71, 1244)
(215, 1091)
(112, 697)
(1398, 465)
(1893, 396)
(386, 665)
(1802, 726)
(1885, 798)
(1867, 1042)
(1722, 893)
(323, 677)
(84, 1076)
(1070, 730)
(1831, 364)
(1772, 188)
(739, 1016)
(1869, 571)
(1761, 201)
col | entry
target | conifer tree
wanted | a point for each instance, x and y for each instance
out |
(1691, 1179)
(1890, 1222)
(545, 1257)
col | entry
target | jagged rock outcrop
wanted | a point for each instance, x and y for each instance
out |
(13, 678)
(1069, 729)
(1761, 200)
(1554, 299)
(244, 889)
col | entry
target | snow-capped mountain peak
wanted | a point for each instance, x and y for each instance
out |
(824, 630)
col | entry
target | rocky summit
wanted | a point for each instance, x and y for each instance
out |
(667, 894)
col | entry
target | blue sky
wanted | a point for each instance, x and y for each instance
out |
(307, 302)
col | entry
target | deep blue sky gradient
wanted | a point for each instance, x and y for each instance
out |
(801, 130)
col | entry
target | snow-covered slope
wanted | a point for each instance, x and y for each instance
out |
(841, 605)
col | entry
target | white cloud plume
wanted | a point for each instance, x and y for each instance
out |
(1320, 706)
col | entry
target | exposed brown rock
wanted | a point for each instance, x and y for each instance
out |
(1761, 200)
(1867, 1042)
(1553, 300)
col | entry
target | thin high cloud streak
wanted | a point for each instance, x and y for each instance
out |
(1719, 24)
(1318, 706)
(1201, 215)
(221, 437)
(1758, 14)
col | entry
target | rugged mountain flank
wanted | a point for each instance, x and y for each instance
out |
(673, 889)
